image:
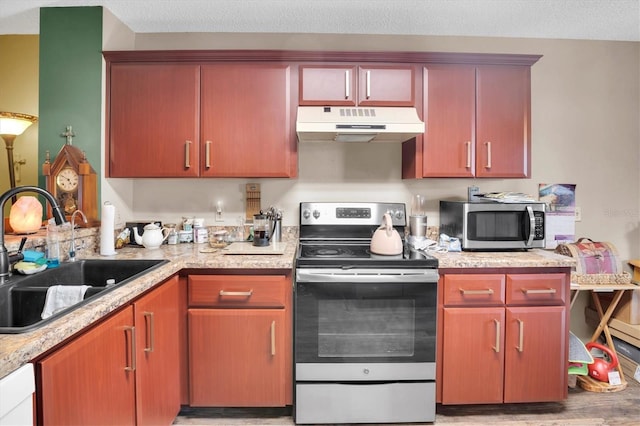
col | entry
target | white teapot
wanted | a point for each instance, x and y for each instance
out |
(152, 237)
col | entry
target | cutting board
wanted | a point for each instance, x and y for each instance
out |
(248, 248)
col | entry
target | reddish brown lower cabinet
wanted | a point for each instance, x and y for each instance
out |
(91, 380)
(504, 338)
(125, 370)
(240, 340)
(157, 356)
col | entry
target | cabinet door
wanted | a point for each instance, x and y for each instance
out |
(472, 371)
(536, 354)
(327, 85)
(247, 121)
(503, 117)
(449, 111)
(157, 375)
(153, 122)
(386, 86)
(237, 357)
(90, 381)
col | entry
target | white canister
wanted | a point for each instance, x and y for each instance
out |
(200, 234)
(185, 236)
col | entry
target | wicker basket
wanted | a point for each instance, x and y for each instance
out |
(597, 262)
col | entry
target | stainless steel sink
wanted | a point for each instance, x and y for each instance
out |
(22, 297)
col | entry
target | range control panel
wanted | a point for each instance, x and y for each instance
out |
(327, 213)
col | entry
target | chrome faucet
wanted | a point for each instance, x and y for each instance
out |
(5, 259)
(72, 248)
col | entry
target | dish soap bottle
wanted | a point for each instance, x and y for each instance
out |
(53, 245)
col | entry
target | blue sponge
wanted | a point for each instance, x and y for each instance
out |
(32, 255)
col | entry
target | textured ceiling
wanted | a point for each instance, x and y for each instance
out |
(556, 19)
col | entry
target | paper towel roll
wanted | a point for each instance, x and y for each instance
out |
(107, 229)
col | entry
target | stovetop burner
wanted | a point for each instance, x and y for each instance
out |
(335, 251)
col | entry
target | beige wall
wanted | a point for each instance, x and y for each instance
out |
(19, 93)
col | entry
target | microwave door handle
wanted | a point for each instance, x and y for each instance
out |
(532, 226)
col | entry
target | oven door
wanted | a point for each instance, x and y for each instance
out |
(365, 317)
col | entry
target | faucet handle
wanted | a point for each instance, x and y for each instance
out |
(18, 256)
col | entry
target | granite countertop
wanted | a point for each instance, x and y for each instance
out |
(19, 349)
(536, 258)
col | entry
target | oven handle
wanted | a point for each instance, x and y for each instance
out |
(312, 275)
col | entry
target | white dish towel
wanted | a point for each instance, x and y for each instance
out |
(60, 297)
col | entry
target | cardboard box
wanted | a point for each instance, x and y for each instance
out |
(628, 309)
(630, 368)
(636, 270)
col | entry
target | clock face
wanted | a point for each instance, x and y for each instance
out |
(67, 180)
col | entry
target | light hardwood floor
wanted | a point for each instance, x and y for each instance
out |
(581, 408)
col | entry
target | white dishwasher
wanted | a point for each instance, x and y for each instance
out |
(16, 404)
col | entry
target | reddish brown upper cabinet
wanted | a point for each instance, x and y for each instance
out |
(478, 123)
(153, 120)
(503, 338)
(352, 85)
(200, 120)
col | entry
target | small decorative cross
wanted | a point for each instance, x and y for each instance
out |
(69, 135)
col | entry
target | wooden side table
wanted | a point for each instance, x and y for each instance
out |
(603, 326)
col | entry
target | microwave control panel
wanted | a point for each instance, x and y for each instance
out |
(538, 231)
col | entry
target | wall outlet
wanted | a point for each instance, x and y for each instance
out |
(219, 212)
(578, 213)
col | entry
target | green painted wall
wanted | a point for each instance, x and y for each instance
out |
(70, 81)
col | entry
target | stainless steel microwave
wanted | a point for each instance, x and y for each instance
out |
(494, 226)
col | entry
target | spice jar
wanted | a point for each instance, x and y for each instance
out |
(172, 237)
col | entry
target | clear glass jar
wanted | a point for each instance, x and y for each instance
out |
(53, 245)
(172, 237)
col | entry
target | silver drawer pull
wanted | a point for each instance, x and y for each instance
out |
(485, 291)
(539, 291)
(236, 293)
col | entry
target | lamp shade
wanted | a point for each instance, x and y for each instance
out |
(14, 123)
(26, 215)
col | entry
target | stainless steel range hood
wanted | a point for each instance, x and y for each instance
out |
(351, 124)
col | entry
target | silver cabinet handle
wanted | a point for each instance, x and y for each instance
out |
(532, 226)
(150, 331)
(539, 291)
(207, 154)
(468, 144)
(485, 291)
(187, 159)
(273, 338)
(236, 293)
(520, 346)
(488, 144)
(496, 348)
(132, 348)
(368, 83)
(347, 84)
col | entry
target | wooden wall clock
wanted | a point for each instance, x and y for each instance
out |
(73, 182)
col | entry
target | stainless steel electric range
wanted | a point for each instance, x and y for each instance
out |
(365, 324)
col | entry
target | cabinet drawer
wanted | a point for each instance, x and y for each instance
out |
(233, 291)
(536, 289)
(474, 289)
